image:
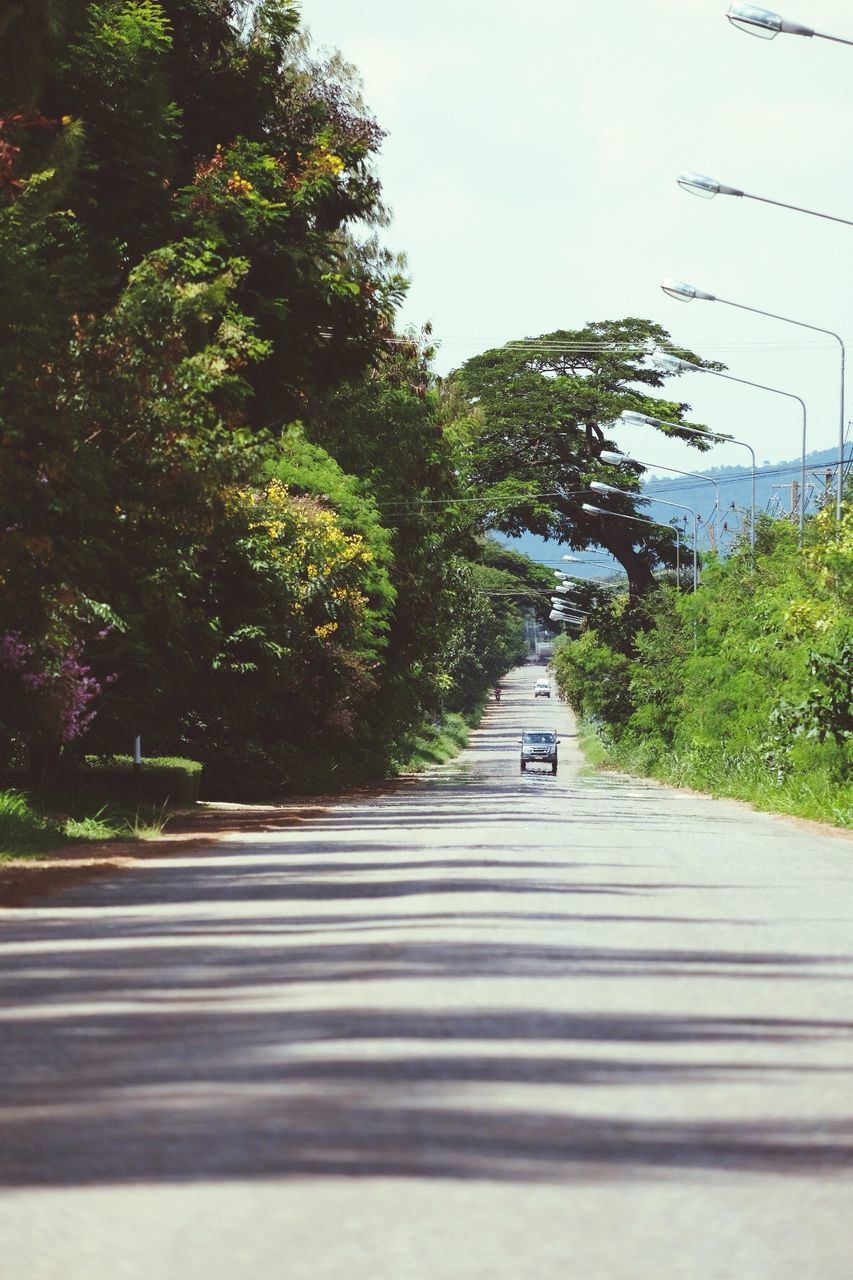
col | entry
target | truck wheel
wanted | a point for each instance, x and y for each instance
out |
(523, 767)
(553, 771)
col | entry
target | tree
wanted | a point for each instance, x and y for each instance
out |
(542, 409)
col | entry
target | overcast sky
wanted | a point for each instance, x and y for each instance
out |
(530, 164)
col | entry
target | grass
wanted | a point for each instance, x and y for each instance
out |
(31, 825)
(435, 743)
(23, 831)
(727, 774)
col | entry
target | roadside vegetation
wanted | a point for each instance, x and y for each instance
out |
(234, 490)
(34, 823)
(246, 521)
(436, 742)
(762, 709)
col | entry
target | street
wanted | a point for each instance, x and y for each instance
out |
(486, 1024)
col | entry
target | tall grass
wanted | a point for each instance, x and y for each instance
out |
(23, 830)
(738, 775)
(30, 827)
(434, 744)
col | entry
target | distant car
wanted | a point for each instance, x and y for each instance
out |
(539, 746)
(542, 689)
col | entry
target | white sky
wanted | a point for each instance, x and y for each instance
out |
(530, 165)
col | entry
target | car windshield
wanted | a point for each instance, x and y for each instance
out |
(540, 739)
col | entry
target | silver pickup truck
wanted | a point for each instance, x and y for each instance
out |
(539, 746)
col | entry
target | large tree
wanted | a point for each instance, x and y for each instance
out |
(538, 416)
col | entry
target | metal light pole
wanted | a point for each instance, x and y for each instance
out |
(616, 458)
(699, 184)
(676, 365)
(598, 564)
(620, 515)
(768, 25)
(657, 524)
(687, 292)
(599, 487)
(633, 416)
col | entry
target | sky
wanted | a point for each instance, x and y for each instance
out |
(530, 165)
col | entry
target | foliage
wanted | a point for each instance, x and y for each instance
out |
(23, 830)
(433, 743)
(234, 492)
(34, 823)
(542, 409)
(760, 708)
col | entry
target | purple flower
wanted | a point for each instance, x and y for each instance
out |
(60, 687)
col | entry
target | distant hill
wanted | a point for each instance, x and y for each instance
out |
(773, 495)
(773, 486)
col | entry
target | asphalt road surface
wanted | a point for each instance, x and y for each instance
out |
(487, 1025)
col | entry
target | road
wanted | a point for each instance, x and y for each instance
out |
(483, 1026)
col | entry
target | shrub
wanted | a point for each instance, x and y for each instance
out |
(161, 779)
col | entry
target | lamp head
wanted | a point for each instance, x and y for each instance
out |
(593, 511)
(600, 487)
(763, 23)
(613, 457)
(700, 185)
(674, 364)
(685, 292)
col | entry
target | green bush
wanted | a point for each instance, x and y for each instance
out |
(161, 779)
(741, 689)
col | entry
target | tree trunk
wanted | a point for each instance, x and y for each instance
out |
(641, 579)
(44, 761)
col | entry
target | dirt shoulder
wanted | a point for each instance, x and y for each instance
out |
(26, 880)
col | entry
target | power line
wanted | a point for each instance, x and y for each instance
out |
(521, 498)
(761, 472)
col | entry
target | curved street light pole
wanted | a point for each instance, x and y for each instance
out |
(675, 364)
(620, 515)
(766, 24)
(699, 184)
(599, 487)
(632, 416)
(687, 292)
(599, 564)
(615, 458)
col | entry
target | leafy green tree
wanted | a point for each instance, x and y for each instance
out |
(234, 514)
(540, 424)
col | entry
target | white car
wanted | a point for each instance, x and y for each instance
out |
(542, 689)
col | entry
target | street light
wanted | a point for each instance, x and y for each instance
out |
(632, 417)
(674, 364)
(575, 584)
(767, 25)
(620, 515)
(599, 564)
(615, 458)
(698, 184)
(687, 292)
(600, 487)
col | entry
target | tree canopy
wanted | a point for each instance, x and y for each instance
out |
(229, 485)
(540, 409)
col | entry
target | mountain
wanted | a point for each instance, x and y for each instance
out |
(772, 495)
